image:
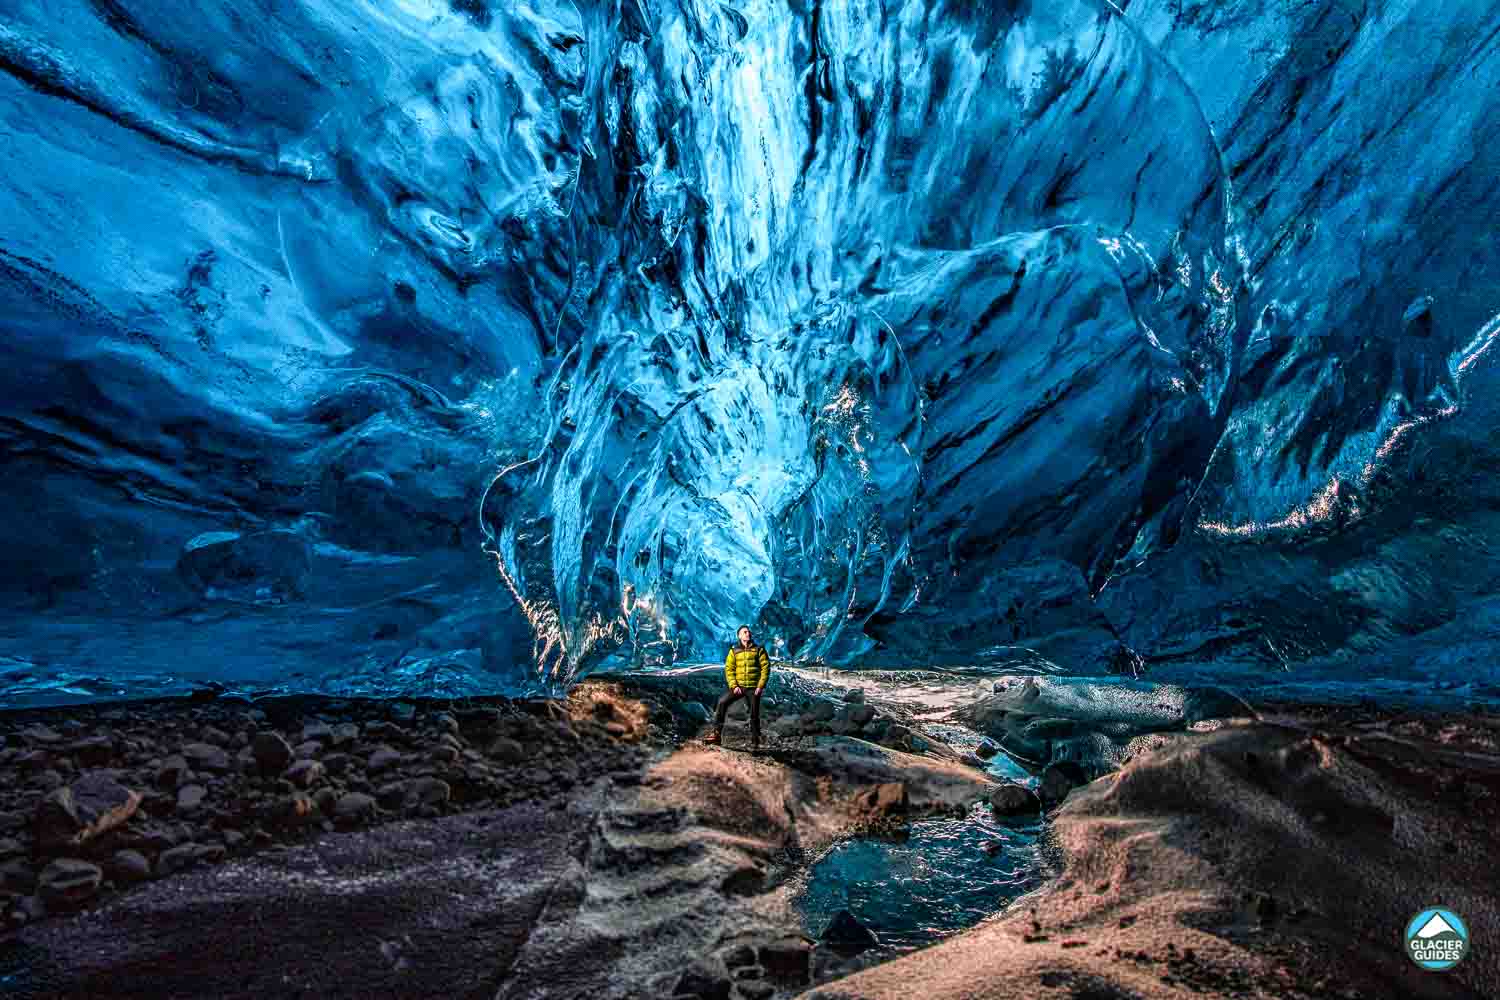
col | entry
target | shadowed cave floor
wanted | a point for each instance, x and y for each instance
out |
(592, 848)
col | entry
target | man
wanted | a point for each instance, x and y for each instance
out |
(746, 670)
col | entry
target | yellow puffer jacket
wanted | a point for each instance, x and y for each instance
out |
(747, 668)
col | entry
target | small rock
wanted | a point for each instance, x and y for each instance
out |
(304, 773)
(68, 882)
(233, 839)
(215, 735)
(391, 795)
(176, 859)
(345, 734)
(207, 757)
(422, 792)
(846, 934)
(130, 867)
(446, 722)
(337, 764)
(96, 751)
(34, 760)
(992, 847)
(820, 711)
(444, 754)
(738, 956)
(307, 748)
(29, 910)
(379, 730)
(90, 806)
(354, 807)
(272, 752)
(317, 732)
(172, 772)
(854, 696)
(702, 982)
(861, 714)
(752, 989)
(1011, 799)
(17, 875)
(40, 734)
(291, 810)
(325, 799)
(190, 797)
(402, 711)
(508, 751)
(381, 759)
(986, 750)
(10, 847)
(47, 781)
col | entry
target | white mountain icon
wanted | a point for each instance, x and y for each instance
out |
(1435, 926)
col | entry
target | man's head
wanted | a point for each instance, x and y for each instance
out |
(744, 635)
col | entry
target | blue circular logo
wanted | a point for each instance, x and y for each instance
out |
(1437, 939)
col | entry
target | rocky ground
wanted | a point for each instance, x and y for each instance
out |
(591, 847)
(521, 849)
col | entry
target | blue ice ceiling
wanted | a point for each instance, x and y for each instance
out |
(416, 346)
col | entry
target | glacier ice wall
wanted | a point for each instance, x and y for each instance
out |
(430, 346)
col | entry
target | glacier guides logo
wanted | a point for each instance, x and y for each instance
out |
(1437, 939)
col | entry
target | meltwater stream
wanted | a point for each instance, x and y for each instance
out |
(945, 876)
(942, 876)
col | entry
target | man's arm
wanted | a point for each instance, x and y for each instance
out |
(764, 663)
(729, 668)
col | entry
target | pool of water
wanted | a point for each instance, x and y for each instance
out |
(938, 881)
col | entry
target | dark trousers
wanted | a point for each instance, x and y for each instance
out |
(729, 699)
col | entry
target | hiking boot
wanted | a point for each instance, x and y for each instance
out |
(712, 738)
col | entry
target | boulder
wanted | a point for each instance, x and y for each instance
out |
(846, 934)
(1011, 799)
(83, 810)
